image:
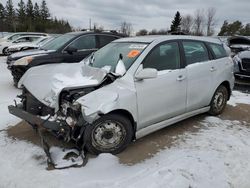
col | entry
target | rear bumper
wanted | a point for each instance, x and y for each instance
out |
(32, 119)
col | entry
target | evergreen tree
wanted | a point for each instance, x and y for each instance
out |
(21, 16)
(2, 18)
(10, 15)
(230, 29)
(39, 26)
(44, 11)
(26, 17)
(30, 9)
(37, 14)
(176, 23)
(224, 29)
(30, 15)
(247, 30)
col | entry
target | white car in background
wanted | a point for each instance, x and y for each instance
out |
(13, 36)
(23, 39)
(28, 45)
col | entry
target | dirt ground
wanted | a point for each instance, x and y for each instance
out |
(148, 146)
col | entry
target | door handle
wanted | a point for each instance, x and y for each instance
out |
(213, 69)
(180, 78)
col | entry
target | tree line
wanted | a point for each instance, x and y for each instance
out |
(30, 17)
(202, 22)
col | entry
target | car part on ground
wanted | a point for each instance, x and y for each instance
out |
(67, 48)
(167, 79)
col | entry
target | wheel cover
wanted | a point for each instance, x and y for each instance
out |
(108, 135)
(219, 100)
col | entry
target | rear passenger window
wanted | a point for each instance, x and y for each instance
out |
(163, 57)
(84, 43)
(104, 40)
(218, 50)
(195, 52)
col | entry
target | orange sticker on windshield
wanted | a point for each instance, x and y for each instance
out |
(133, 53)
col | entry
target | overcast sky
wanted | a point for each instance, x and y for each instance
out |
(148, 14)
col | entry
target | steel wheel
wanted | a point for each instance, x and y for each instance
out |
(219, 100)
(109, 134)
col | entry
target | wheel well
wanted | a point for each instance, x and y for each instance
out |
(227, 85)
(127, 114)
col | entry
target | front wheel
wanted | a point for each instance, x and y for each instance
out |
(5, 51)
(109, 134)
(219, 100)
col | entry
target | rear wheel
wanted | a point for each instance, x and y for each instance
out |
(109, 134)
(219, 100)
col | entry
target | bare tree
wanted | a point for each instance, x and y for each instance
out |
(186, 23)
(211, 21)
(126, 28)
(198, 24)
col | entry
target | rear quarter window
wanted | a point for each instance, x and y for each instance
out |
(218, 50)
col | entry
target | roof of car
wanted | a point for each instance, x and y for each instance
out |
(77, 33)
(159, 38)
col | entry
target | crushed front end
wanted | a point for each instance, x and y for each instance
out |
(67, 123)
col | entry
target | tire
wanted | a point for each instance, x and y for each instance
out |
(219, 101)
(5, 51)
(15, 80)
(112, 126)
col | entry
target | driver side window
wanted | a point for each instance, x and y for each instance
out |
(163, 57)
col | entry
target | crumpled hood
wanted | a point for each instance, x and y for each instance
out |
(47, 81)
(30, 53)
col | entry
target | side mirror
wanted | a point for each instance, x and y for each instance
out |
(146, 73)
(70, 50)
(120, 68)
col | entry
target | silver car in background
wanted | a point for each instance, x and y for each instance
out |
(128, 89)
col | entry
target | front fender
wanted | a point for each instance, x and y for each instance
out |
(104, 101)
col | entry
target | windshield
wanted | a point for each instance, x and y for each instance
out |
(110, 54)
(57, 42)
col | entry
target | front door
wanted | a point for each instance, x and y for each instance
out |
(85, 45)
(162, 97)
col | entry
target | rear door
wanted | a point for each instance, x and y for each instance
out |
(103, 40)
(199, 74)
(85, 45)
(162, 97)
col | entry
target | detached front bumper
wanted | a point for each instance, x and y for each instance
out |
(33, 119)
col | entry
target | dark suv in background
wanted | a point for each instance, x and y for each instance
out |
(240, 46)
(67, 48)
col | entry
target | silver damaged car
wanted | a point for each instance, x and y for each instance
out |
(127, 89)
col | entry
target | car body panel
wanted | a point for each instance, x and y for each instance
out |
(52, 79)
(163, 94)
(199, 79)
